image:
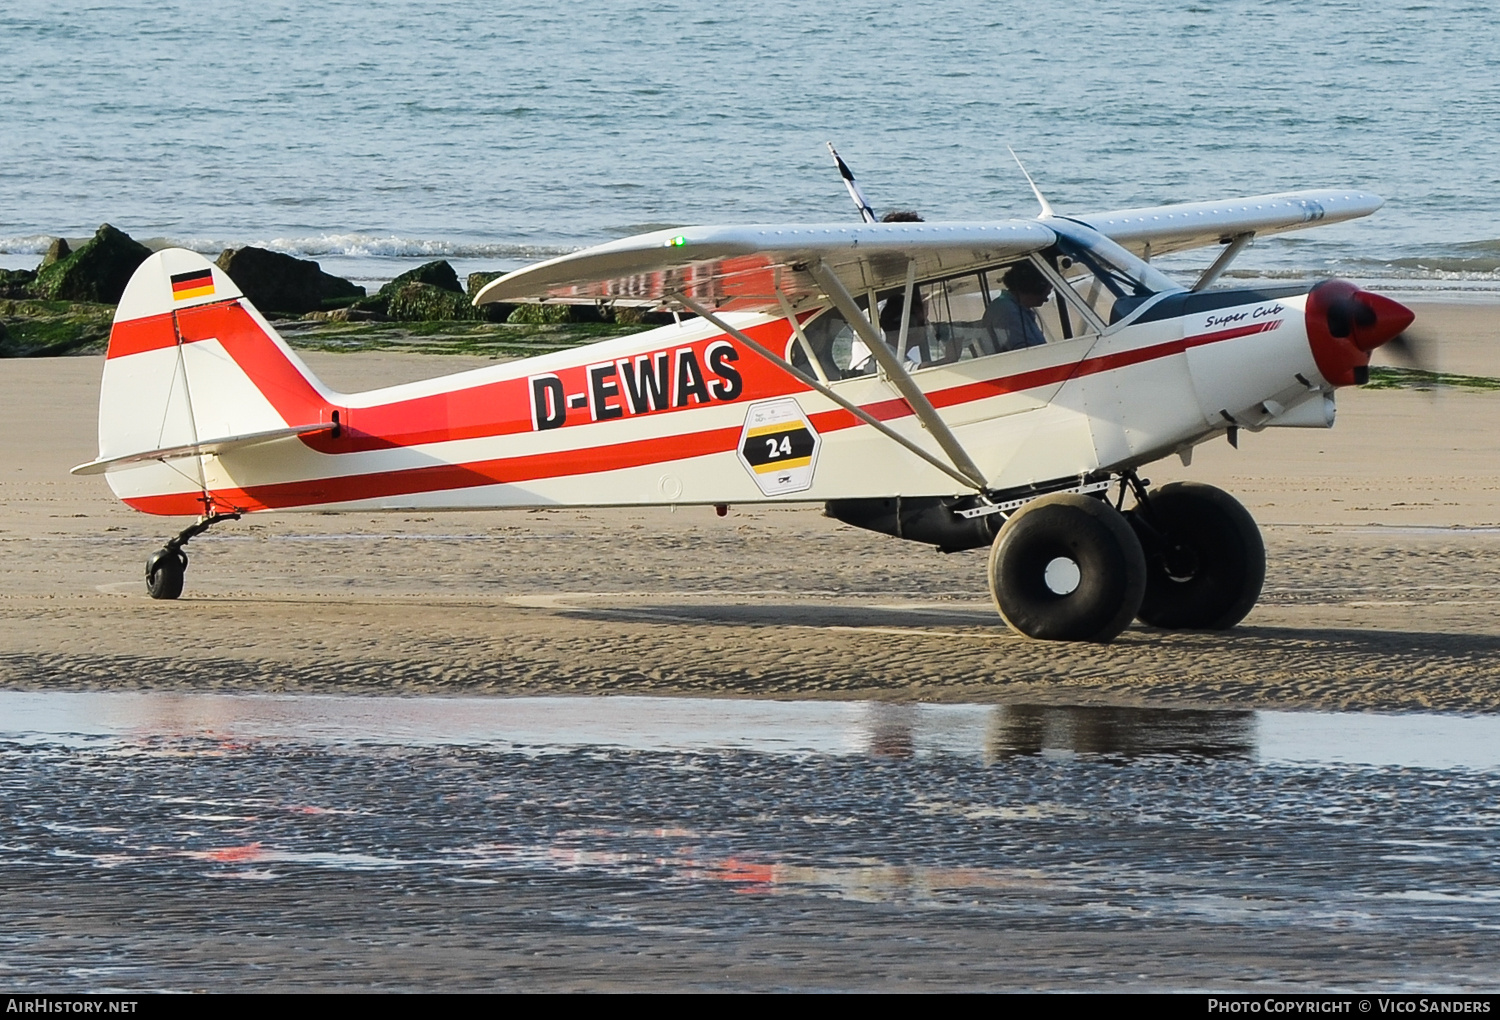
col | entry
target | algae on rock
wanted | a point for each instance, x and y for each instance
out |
(40, 329)
(423, 302)
(98, 271)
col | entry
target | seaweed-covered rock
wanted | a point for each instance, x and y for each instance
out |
(435, 274)
(16, 283)
(497, 312)
(420, 305)
(56, 251)
(348, 314)
(280, 283)
(97, 271)
(478, 281)
(541, 315)
(344, 314)
(424, 302)
(38, 329)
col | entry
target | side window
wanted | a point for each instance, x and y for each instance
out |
(973, 316)
(1008, 308)
(839, 350)
(1024, 309)
(947, 322)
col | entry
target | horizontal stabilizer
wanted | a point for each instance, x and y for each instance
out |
(206, 446)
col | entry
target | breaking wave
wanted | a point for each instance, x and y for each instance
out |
(352, 245)
(392, 246)
(32, 244)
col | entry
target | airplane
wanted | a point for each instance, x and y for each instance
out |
(991, 383)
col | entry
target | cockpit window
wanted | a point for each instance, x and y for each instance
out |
(1006, 308)
(1106, 277)
(832, 340)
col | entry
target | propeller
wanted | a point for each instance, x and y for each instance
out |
(1362, 312)
(1369, 320)
(1345, 325)
(1413, 348)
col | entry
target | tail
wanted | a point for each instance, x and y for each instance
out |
(193, 369)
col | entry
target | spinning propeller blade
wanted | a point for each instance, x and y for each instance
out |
(1415, 349)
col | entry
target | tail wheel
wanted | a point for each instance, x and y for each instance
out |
(1067, 567)
(164, 573)
(1205, 563)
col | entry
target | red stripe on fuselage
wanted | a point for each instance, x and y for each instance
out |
(438, 477)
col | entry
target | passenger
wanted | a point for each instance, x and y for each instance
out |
(861, 361)
(916, 330)
(1011, 318)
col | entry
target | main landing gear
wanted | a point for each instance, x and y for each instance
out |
(1071, 567)
(167, 567)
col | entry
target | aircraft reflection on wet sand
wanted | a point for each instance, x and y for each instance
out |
(876, 729)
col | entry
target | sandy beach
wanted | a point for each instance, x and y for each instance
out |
(1383, 539)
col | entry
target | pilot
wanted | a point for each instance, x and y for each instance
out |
(1011, 318)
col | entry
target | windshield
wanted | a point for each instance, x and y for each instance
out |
(1106, 277)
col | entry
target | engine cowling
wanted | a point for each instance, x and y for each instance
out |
(1344, 324)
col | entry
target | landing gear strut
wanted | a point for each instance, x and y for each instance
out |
(167, 567)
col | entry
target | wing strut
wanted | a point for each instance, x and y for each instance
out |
(851, 407)
(897, 374)
(1236, 245)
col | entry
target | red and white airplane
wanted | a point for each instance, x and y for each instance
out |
(960, 384)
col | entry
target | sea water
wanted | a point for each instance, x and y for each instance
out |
(378, 134)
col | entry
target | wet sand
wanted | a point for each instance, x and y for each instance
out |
(188, 841)
(1383, 538)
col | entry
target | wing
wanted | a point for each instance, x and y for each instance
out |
(740, 268)
(1168, 228)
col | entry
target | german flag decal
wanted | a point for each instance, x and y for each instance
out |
(191, 285)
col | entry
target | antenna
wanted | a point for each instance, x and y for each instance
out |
(860, 202)
(1047, 212)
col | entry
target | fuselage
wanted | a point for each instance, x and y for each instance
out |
(687, 414)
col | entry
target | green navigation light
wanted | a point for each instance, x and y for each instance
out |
(678, 241)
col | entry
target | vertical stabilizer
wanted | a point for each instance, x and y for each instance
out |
(191, 361)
